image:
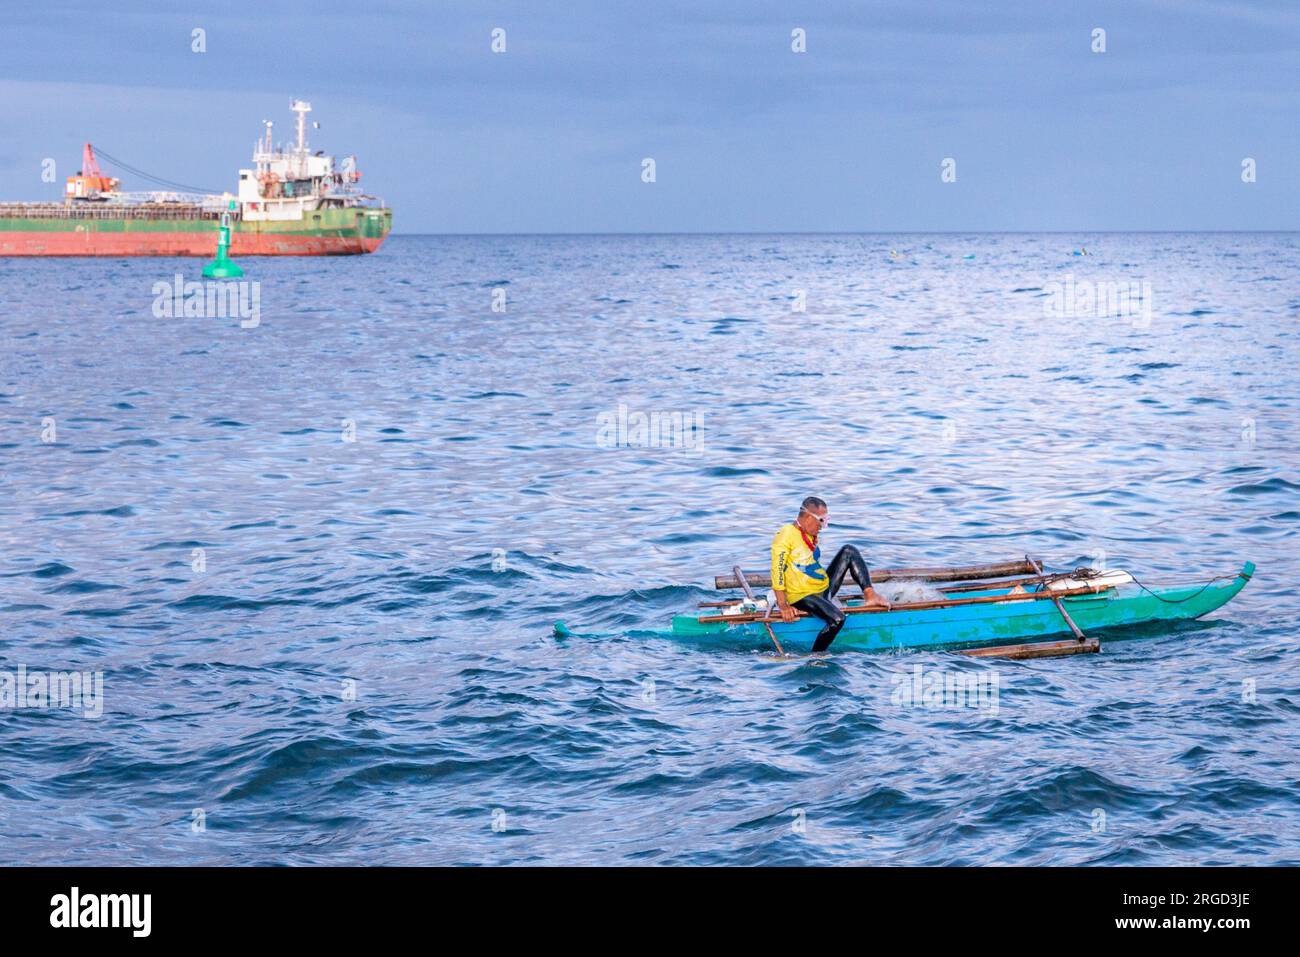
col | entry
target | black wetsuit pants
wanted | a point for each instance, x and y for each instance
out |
(848, 560)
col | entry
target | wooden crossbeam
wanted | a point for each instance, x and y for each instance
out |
(925, 605)
(935, 573)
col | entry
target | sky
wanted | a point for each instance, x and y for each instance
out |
(746, 135)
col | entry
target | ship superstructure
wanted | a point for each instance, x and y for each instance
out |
(286, 183)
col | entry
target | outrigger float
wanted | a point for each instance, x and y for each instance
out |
(1009, 609)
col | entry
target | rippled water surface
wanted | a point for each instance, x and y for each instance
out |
(926, 395)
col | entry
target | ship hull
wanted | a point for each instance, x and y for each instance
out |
(332, 232)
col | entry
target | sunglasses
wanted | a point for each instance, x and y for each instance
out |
(824, 519)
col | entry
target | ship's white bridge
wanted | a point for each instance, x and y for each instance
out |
(286, 182)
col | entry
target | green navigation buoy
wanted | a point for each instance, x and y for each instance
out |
(223, 267)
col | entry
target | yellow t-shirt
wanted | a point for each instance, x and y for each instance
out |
(796, 568)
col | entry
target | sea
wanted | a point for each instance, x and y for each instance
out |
(304, 547)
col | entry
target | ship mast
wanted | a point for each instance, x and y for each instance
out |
(302, 108)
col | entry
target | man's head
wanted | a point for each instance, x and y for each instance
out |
(813, 515)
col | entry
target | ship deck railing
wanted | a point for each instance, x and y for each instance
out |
(151, 211)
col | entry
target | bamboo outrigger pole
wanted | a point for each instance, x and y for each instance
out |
(749, 593)
(1029, 596)
(941, 573)
(1038, 569)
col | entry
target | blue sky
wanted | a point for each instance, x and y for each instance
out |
(746, 135)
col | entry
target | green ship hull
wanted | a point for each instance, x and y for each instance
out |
(89, 229)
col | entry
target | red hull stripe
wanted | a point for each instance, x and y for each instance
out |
(180, 244)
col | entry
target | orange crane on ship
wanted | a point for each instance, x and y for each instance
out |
(90, 183)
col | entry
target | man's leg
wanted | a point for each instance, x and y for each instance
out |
(828, 612)
(847, 559)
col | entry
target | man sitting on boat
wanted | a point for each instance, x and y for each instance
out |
(800, 581)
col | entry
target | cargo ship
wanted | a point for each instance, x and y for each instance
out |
(293, 202)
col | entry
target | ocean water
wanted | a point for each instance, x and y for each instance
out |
(318, 560)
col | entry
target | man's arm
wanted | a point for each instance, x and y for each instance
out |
(780, 563)
(787, 610)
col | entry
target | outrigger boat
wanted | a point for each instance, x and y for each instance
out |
(1009, 609)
